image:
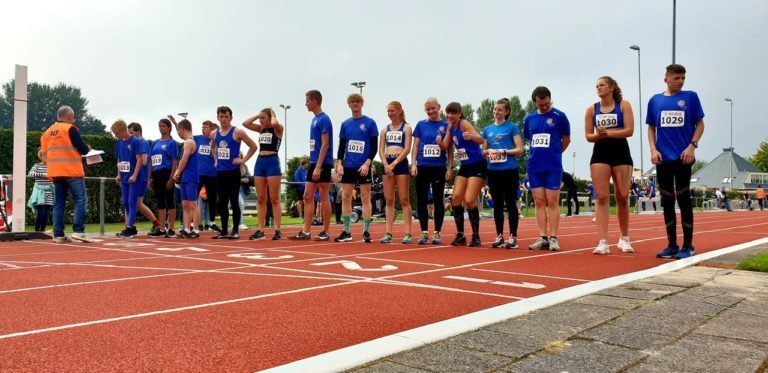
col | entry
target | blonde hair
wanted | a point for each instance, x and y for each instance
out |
(398, 106)
(355, 97)
(432, 100)
(119, 126)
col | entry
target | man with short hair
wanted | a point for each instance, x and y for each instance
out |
(320, 164)
(136, 130)
(131, 158)
(358, 144)
(675, 125)
(164, 159)
(225, 144)
(186, 174)
(62, 149)
(206, 170)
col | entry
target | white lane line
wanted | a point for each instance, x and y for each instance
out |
(9, 265)
(359, 354)
(170, 310)
(532, 275)
(50, 252)
(401, 261)
(445, 288)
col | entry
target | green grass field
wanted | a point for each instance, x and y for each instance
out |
(758, 263)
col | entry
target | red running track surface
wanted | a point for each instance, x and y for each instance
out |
(202, 305)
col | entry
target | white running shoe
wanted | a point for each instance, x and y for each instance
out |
(624, 245)
(242, 227)
(80, 237)
(602, 248)
(539, 244)
(554, 245)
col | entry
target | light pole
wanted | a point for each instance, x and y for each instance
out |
(640, 108)
(183, 115)
(285, 135)
(674, 27)
(574, 164)
(730, 164)
(359, 85)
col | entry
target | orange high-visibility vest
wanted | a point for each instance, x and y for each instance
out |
(64, 160)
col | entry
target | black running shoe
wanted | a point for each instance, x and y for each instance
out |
(182, 234)
(214, 228)
(170, 233)
(343, 237)
(234, 236)
(323, 236)
(367, 237)
(302, 236)
(277, 236)
(220, 236)
(128, 232)
(258, 235)
(156, 232)
(499, 242)
(475, 242)
(193, 234)
(460, 240)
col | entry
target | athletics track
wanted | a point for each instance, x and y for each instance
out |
(204, 305)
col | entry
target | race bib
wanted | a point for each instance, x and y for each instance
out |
(500, 157)
(311, 145)
(124, 166)
(461, 154)
(356, 146)
(672, 118)
(157, 160)
(606, 120)
(394, 136)
(265, 138)
(223, 153)
(431, 151)
(540, 140)
(204, 150)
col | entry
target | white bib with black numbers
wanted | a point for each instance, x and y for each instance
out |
(204, 150)
(540, 140)
(672, 118)
(461, 154)
(431, 151)
(124, 166)
(606, 120)
(311, 145)
(500, 157)
(265, 138)
(157, 160)
(394, 136)
(222, 153)
(356, 146)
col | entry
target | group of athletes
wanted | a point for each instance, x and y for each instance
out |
(213, 159)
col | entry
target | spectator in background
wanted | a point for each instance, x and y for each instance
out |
(300, 178)
(760, 195)
(726, 204)
(41, 198)
(569, 184)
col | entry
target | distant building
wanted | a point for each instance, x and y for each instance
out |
(717, 173)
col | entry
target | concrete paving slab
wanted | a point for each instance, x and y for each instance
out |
(389, 367)
(739, 325)
(517, 339)
(670, 327)
(634, 294)
(610, 302)
(699, 353)
(579, 356)
(630, 338)
(579, 316)
(448, 357)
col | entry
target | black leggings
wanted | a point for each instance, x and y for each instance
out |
(163, 195)
(41, 219)
(674, 180)
(430, 177)
(571, 196)
(210, 190)
(229, 193)
(503, 186)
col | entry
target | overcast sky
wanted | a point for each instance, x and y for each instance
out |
(141, 60)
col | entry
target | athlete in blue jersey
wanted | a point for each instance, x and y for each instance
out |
(432, 166)
(206, 173)
(358, 144)
(464, 139)
(164, 158)
(549, 134)
(608, 123)
(675, 125)
(186, 174)
(129, 164)
(320, 164)
(225, 145)
(394, 146)
(502, 143)
(267, 175)
(135, 130)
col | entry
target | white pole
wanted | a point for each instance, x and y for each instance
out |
(19, 148)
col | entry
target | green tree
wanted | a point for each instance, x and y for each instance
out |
(518, 116)
(43, 102)
(469, 112)
(760, 159)
(517, 113)
(484, 114)
(698, 165)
